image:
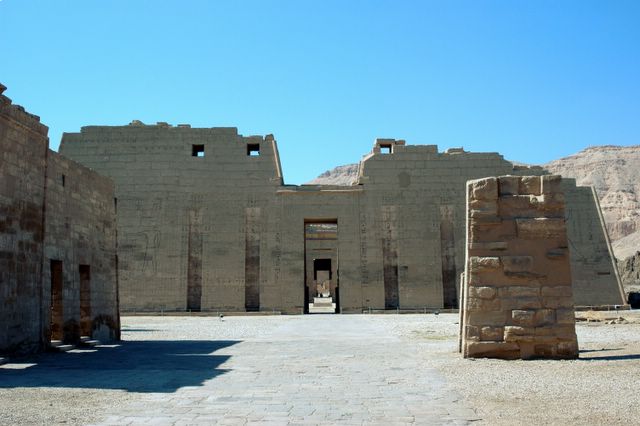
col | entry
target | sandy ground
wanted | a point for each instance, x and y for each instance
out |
(599, 388)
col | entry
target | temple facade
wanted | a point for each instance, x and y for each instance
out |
(207, 223)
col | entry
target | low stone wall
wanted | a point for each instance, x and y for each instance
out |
(518, 300)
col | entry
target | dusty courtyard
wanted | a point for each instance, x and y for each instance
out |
(348, 369)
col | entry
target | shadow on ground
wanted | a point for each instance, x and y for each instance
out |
(610, 357)
(142, 366)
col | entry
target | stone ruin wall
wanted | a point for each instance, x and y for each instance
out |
(39, 222)
(23, 150)
(518, 298)
(81, 233)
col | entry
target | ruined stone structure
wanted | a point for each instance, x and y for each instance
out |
(517, 298)
(206, 223)
(57, 242)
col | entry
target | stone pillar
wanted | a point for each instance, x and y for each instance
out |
(517, 299)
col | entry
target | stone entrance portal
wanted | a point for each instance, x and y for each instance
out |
(321, 290)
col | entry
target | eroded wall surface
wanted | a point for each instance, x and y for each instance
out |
(518, 299)
(23, 149)
(594, 273)
(191, 202)
(43, 219)
(80, 233)
(205, 224)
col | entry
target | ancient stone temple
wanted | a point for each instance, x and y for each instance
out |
(58, 275)
(206, 223)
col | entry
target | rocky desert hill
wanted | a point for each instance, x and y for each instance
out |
(341, 175)
(614, 171)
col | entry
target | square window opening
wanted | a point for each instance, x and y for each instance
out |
(197, 150)
(386, 149)
(253, 149)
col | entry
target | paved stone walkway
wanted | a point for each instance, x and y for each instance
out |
(346, 369)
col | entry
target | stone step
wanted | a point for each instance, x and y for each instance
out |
(59, 346)
(323, 300)
(88, 341)
(322, 309)
(322, 304)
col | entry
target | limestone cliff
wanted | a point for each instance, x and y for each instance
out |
(629, 270)
(614, 171)
(341, 175)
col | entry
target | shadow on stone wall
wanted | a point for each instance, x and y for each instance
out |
(142, 366)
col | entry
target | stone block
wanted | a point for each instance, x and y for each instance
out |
(482, 292)
(530, 185)
(545, 317)
(495, 334)
(508, 185)
(551, 184)
(501, 350)
(540, 228)
(519, 334)
(483, 189)
(565, 332)
(472, 332)
(481, 264)
(568, 349)
(520, 303)
(493, 318)
(519, 292)
(545, 351)
(492, 245)
(517, 263)
(475, 304)
(523, 318)
(565, 316)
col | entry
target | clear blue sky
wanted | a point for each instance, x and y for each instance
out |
(533, 80)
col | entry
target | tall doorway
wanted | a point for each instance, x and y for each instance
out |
(85, 300)
(57, 317)
(322, 284)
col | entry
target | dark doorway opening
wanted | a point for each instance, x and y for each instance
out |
(321, 266)
(57, 314)
(85, 300)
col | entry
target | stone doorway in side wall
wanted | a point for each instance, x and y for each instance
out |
(321, 271)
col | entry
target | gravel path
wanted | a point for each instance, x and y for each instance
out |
(600, 388)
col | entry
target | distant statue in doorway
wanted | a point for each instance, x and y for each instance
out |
(323, 289)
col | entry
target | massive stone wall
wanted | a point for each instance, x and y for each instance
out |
(42, 219)
(517, 295)
(23, 150)
(594, 272)
(204, 225)
(80, 233)
(187, 201)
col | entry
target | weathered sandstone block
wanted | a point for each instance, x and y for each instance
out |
(519, 304)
